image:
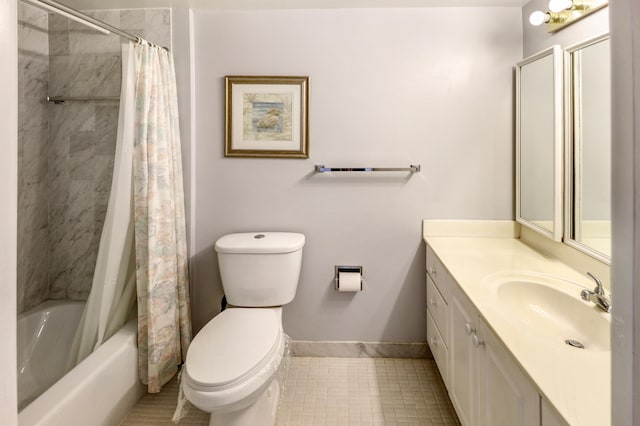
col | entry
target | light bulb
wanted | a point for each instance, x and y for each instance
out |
(560, 5)
(537, 18)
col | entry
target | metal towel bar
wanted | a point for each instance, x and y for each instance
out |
(63, 99)
(414, 168)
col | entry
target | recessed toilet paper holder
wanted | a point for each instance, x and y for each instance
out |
(348, 269)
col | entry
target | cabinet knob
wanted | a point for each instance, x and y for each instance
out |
(468, 329)
(477, 342)
(431, 270)
(433, 342)
(433, 302)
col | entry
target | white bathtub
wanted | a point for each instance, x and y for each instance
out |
(99, 391)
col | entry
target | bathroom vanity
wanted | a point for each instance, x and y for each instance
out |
(511, 314)
(505, 323)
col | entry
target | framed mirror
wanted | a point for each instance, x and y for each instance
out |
(588, 151)
(539, 142)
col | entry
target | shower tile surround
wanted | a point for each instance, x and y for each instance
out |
(33, 131)
(66, 151)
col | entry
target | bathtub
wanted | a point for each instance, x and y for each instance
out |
(99, 391)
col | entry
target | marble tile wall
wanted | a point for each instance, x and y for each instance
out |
(33, 135)
(66, 151)
(84, 62)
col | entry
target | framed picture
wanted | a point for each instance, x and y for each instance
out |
(267, 117)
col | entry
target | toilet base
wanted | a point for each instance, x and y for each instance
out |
(262, 412)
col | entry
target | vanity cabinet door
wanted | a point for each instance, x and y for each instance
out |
(463, 356)
(438, 347)
(506, 396)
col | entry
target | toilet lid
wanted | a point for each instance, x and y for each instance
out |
(231, 345)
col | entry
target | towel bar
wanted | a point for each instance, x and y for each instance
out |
(414, 168)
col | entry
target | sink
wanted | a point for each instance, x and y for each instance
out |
(552, 307)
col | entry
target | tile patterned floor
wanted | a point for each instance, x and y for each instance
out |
(336, 391)
(157, 409)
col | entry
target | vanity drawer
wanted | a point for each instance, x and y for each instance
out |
(438, 347)
(437, 306)
(438, 273)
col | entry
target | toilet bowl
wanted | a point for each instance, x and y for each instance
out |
(233, 363)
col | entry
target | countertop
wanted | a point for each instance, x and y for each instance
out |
(576, 382)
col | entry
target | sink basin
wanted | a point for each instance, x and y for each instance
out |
(553, 307)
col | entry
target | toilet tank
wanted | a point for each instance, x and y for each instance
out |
(260, 268)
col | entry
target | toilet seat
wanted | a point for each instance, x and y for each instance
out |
(233, 357)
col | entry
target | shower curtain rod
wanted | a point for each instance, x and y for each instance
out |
(83, 18)
(94, 23)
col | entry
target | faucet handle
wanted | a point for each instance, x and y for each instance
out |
(599, 290)
(584, 294)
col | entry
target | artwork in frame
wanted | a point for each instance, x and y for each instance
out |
(267, 117)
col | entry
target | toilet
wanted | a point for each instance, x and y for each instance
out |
(232, 363)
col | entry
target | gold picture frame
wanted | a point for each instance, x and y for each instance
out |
(266, 117)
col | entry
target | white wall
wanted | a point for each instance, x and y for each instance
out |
(8, 208)
(625, 76)
(536, 39)
(389, 87)
(181, 43)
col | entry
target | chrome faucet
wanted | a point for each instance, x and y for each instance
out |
(597, 295)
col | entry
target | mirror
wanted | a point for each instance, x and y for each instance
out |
(539, 148)
(588, 201)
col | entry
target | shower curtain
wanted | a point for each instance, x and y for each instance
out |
(113, 289)
(164, 326)
(143, 243)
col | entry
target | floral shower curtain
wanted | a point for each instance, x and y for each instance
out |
(143, 243)
(164, 325)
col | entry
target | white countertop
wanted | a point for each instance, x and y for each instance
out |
(577, 382)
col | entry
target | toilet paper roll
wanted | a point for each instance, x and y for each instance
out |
(349, 281)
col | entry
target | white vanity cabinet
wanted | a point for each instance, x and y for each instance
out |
(486, 385)
(463, 360)
(506, 396)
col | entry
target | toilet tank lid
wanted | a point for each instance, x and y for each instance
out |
(260, 242)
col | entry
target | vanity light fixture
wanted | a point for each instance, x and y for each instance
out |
(560, 5)
(562, 13)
